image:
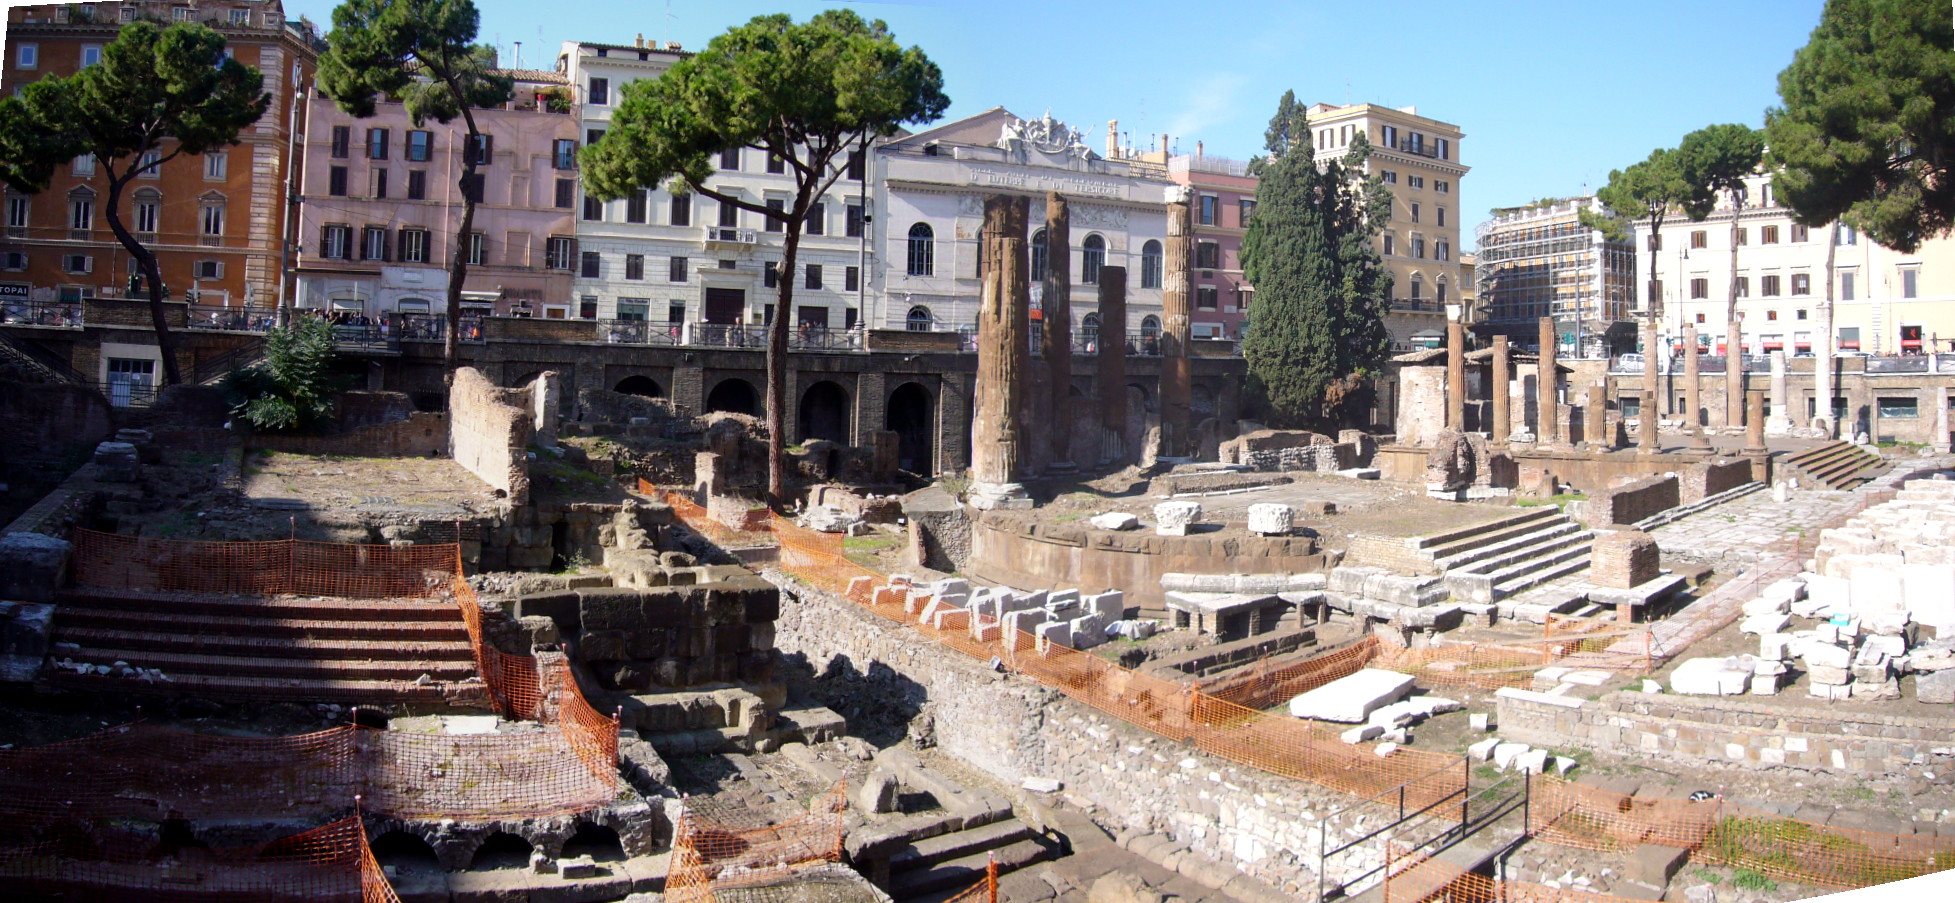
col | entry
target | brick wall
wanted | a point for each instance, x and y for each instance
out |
(129, 312)
(489, 432)
(1631, 502)
(539, 329)
(1701, 481)
(1623, 559)
(1732, 732)
(905, 340)
(421, 435)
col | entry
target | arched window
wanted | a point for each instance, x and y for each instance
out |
(1091, 321)
(1150, 327)
(1440, 298)
(1038, 256)
(1089, 333)
(923, 253)
(1150, 265)
(919, 319)
(1092, 256)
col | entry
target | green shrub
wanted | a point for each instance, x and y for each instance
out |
(292, 389)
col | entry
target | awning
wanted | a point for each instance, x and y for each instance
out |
(344, 304)
(417, 305)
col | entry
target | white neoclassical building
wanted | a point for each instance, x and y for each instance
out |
(928, 206)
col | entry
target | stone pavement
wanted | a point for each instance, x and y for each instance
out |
(1757, 527)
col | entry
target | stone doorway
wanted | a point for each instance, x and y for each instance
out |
(909, 417)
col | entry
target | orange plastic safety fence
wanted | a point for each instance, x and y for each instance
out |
(1263, 685)
(985, 891)
(1725, 833)
(708, 855)
(1417, 878)
(753, 525)
(142, 771)
(270, 568)
(1512, 664)
(1277, 744)
(112, 859)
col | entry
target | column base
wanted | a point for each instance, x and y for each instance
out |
(1061, 468)
(986, 496)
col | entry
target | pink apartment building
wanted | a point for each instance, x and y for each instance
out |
(1224, 198)
(380, 204)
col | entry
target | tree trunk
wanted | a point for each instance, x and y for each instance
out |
(152, 276)
(458, 269)
(777, 334)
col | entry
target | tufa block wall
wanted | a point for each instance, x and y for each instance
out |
(489, 432)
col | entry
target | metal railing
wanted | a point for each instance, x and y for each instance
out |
(127, 394)
(729, 335)
(822, 338)
(41, 313)
(731, 235)
(434, 327)
(641, 332)
(1450, 809)
(231, 319)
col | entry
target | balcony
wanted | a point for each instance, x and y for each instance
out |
(728, 235)
(1417, 305)
(1420, 149)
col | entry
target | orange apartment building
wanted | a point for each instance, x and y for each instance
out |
(217, 222)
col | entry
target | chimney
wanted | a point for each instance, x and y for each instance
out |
(672, 46)
(1198, 150)
(641, 41)
(1113, 139)
(1164, 147)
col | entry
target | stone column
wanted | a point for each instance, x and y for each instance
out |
(1455, 376)
(1778, 420)
(1546, 384)
(1734, 375)
(1176, 299)
(1754, 423)
(1112, 379)
(1595, 420)
(1003, 349)
(1822, 365)
(1941, 443)
(1056, 328)
(1650, 439)
(1700, 443)
(1498, 387)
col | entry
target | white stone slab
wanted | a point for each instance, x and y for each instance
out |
(1534, 761)
(1828, 655)
(1514, 693)
(1483, 750)
(1352, 699)
(1270, 519)
(1504, 754)
(1877, 589)
(1361, 733)
(1712, 676)
(1930, 593)
(1114, 520)
(1174, 518)
(469, 724)
(1828, 592)
(1764, 624)
(1764, 605)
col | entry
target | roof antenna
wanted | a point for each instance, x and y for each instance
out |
(519, 56)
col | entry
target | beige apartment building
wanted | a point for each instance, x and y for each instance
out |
(1418, 158)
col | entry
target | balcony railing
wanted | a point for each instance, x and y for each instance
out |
(1421, 149)
(641, 332)
(1419, 305)
(232, 319)
(728, 335)
(41, 313)
(434, 327)
(728, 235)
(822, 338)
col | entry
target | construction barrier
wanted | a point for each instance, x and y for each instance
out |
(752, 529)
(1266, 686)
(1721, 832)
(1491, 666)
(985, 891)
(105, 860)
(271, 568)
(146, 772)
(1417, 878)
(709, 856)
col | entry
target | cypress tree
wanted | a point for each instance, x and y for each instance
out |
(1321, 287)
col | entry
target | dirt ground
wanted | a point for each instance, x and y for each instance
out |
(37, 719)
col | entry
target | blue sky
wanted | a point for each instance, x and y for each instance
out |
(1551, 95)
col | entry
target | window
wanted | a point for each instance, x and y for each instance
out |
(1208, 205)
(342, 141)
(853, 221)
(335, 241)
(27, 56)
(1846, 286)
(77, 263)
(634, 266)
(770, 274)
(1700, 318)
(212, 216)
(1744, 236)
(1771, 315)
(1700, 239)
(729, 216)
(1415, 181)
(482, 150)
(1440, 212)
(1208, 255)
(1768, 235)
(414, 245)
(591, 136)
(918, 320)
(13, 260)
(1910, 283)
(1801, 233)
(1390, 245)
(420, 145)
(1802, 313)
(1801, 283)
(1899, 408)
(378, 184)
(851, 279)
(1388, 135)
(417, 184)
(1418, 289)
(565, 153)
(478, 249)
(1442, 187)
(558, 251)
(1442, 250)
(1415, 212)
(1771, 287)
(1041, 256)
(376, 144)
(593, 264)
(1092, 256)
(1440, 297)
(636, 203)
(148, 205)
(1246, 209)
(775, 223)
(681, 210)
(814, 276)
(240, 17)
(1700, 289)
(373, 243)
(676, 270)
(600, 91)
(1150, 265)
(1848, 236)
(1419, 246)
(858, 166)
(85, 166)
(91, 54)
(566, 194)
(1391, 178)
(775, 164)
(817, 223)
(336, 181)
(1205, 297)
(922, 251)
(730, 159)
(81, 212)
(1744, 285)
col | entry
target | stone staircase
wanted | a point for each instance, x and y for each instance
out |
(1489, 562)
(406, 651)
(1836, 465)
(954, 861)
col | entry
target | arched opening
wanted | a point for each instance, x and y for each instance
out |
(596, 841)
(1089, 333)
(922, 250)
(640, 384)
(1201, 400)
(524, 380)
(919, 319)
(368, 716)
(1150, 265)
(734, 395)
(908, 416)
(1150, 334)
(406, 852)
(824, 413)
(1092, 256)
(1039, 258)
(501, 850)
